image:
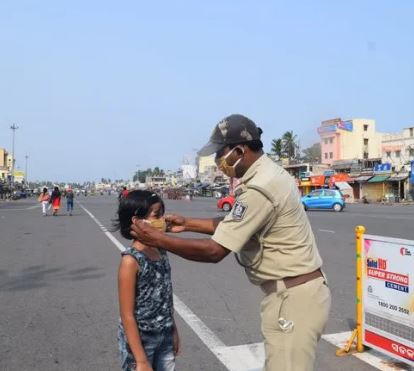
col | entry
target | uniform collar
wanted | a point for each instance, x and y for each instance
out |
(252, 170)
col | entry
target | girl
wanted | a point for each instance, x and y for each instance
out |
(147, 336)
(44, 199)
(55, 200)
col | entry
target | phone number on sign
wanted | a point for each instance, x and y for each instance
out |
(396, 308)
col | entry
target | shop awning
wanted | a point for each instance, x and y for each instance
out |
(378, 179)
(397, 177)
(362, 178)
(343, 186)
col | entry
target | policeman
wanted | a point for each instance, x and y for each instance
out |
(271, 235)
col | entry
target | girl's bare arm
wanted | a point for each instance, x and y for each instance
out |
(127, 276)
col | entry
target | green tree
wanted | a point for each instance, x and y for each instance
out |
(313, 153)
(276, 148)
(290, 146)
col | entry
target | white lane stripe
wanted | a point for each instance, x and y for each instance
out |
(326, 230)
(370, 356)
(243, 358)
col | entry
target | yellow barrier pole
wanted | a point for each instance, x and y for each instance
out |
(357, 333)
(359, 232)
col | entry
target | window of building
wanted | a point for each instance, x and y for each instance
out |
(398, 154)
(330, 140)
(365, 127)
(411, 132)
(330, 154)
(388, 154)
(325, 140)
(326, 155)
(366, 141)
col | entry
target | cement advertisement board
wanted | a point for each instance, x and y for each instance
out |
(388, 296)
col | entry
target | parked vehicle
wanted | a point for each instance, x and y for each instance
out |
(226, 203)
(17, 195)
(324, 199)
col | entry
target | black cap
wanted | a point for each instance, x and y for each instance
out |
(233, 129)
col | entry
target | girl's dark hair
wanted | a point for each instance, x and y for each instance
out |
(137, 203)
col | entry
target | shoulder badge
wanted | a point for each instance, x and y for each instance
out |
(239, 209)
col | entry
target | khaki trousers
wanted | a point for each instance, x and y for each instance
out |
(307, 306)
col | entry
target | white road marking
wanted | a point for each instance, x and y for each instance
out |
(326, 230)
(248, 357)
(372, 357)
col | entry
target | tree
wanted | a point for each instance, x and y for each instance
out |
(313, 153)
(276, 148)
(290, 146)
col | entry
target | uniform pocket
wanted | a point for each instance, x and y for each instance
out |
(271, 308)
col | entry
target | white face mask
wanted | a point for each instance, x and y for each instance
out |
(229, 170)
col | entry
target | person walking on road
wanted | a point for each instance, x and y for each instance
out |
(55, 199)
(69, 200)
(123, 193)
(270, 233)
(147, 335)
(44, 199)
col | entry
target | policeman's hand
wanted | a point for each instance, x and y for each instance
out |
(144, 233)
(175, 223)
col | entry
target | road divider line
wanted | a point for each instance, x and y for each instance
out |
(326, 230)
(248, 357)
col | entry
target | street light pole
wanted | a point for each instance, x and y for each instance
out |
(14, 127)
(25, 171)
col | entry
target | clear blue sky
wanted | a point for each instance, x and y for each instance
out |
(99, 88)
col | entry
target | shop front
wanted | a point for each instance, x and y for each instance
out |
(357, 184)
(305, 186)
(375, 189)
(397, 187)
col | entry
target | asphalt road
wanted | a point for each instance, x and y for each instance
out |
(58, 298)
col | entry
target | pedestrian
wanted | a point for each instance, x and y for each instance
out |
(69, 200)
(123, 193)
(270, 233)
(44, 199)
(147, 335)
(55, 199)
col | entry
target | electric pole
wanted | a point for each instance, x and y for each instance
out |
(14, 127)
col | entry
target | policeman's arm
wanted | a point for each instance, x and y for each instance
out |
(178, 223)
(202, 250)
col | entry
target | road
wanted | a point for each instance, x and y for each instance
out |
(58, 293)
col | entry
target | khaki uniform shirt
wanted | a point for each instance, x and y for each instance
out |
(268, 210)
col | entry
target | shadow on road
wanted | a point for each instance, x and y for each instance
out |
(38, 276)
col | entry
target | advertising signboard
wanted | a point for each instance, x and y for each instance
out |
(382, 168)
(388, 296)
(412, 172)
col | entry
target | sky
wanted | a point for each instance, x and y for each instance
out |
(103, 88)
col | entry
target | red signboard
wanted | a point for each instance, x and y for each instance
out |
(390, 346)
(318, 180)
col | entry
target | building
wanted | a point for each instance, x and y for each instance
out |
(206, 163)
(207, 170)
(398, 149)
(5, 164)
(349, 140)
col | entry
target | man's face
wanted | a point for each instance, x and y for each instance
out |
(233, 155)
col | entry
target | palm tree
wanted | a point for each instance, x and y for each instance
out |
(277, 148)
(290, 145)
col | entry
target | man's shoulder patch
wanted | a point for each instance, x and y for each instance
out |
(239, 209)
